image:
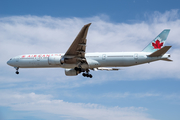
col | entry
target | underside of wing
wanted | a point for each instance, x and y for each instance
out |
(76, 52)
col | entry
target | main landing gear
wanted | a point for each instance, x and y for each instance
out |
(17, 68)
(87, 74)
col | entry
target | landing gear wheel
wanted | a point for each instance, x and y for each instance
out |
(90, 76)
(84, 74)
(17, 68)
(87, 75)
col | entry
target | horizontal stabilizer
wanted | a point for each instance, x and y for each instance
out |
(167, 59)
(160, 52)
(108, 69)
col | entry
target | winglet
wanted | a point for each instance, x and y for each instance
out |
(160, 52)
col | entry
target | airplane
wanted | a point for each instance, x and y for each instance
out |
(76, 60)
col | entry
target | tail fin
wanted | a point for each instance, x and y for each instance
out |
(158, 42)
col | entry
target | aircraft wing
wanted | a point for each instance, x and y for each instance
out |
(76, 51)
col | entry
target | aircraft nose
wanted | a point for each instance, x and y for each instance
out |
(8, 62)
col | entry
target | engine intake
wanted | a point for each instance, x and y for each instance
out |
(62, 60)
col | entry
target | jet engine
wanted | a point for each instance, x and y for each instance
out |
(71, 72)
(62, 60)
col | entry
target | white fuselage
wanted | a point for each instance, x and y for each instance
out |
(76, 60)
(94, 60)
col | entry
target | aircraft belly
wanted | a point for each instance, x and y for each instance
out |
(34, 63)
(128, 61)
(111, 62)
(125, 61)
(26, 62)
(41, 62)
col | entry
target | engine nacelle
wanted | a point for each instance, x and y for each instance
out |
(71, 72)
(54, 60)
(62, 60)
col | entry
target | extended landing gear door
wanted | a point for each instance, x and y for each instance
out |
(103, 56)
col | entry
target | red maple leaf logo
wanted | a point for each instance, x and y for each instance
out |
(157, 44)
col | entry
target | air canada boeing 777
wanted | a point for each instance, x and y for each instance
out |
(76, 60)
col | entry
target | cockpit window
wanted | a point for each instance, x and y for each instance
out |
(11, 59)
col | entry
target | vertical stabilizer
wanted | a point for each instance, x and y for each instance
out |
(158, 42)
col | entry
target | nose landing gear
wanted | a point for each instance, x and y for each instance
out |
(17, 68)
